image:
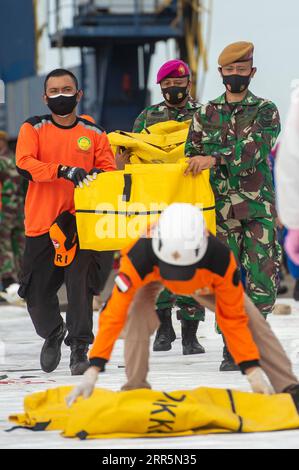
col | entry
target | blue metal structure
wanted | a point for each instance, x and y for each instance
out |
(17, 51)
(117, 40)
(17, 40)
(94, 25)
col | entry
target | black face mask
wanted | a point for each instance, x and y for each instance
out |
(175, 94)
(62, 105)
(238, 83)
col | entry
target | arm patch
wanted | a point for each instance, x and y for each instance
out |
(123, 282)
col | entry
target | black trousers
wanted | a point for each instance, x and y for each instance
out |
(84, 277)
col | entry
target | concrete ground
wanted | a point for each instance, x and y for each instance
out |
(169, 371)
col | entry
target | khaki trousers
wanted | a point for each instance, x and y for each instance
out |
(143, 322)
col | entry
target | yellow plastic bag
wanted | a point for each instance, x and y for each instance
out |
(150, 413)
(163, 142)
(118, 206)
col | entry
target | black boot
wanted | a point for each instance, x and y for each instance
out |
(228, 363)
(79, 362)
(296, 291)
(165, 334)
(282, 290)
(51, 351)
(6, 282)
(189, 340)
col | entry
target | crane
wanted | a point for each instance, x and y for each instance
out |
(117, 39)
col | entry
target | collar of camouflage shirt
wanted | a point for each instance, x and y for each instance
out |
(191, 104)
(250, 99)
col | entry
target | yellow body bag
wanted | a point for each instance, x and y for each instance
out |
(163, 142)
(118, 206)
(150, 413)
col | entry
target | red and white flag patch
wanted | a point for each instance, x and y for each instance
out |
(123, 282)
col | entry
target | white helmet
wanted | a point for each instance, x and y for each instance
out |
(180, 238)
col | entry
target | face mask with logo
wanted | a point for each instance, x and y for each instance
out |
(175, 94)
(238, 83)
(62, 105)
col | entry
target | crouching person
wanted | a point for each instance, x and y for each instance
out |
(182, 256)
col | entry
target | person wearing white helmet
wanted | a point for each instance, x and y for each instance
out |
(180, 254)
(180, 237)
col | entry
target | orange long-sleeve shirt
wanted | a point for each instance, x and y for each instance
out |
(42, 147)
(217, 271)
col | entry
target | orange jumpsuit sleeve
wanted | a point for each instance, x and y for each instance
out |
(232, 318)
(27, 162)
(113, 317)
(104, 157)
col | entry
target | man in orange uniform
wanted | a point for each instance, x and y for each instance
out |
(185, 258)
(57, 152)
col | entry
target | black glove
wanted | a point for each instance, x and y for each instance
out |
(76, 175)
(94, 172)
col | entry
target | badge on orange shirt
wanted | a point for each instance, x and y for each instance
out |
(84, 143)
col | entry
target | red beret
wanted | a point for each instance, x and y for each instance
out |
(173, 69)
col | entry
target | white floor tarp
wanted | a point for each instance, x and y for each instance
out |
(19, 361)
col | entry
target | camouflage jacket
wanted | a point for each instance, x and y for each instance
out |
(161, 113)
(4, 166)
(242, 134)
(12, 190)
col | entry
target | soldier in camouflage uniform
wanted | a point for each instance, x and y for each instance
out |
(12, 215)
(161, 113)
(174, 79)
(233, 135)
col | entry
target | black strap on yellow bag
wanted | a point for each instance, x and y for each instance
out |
(118, 206)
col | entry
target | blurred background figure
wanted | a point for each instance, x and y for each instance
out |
(12, 214)
(287, 178)
(282, 289)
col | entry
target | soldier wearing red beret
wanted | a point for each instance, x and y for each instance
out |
(174, 78)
